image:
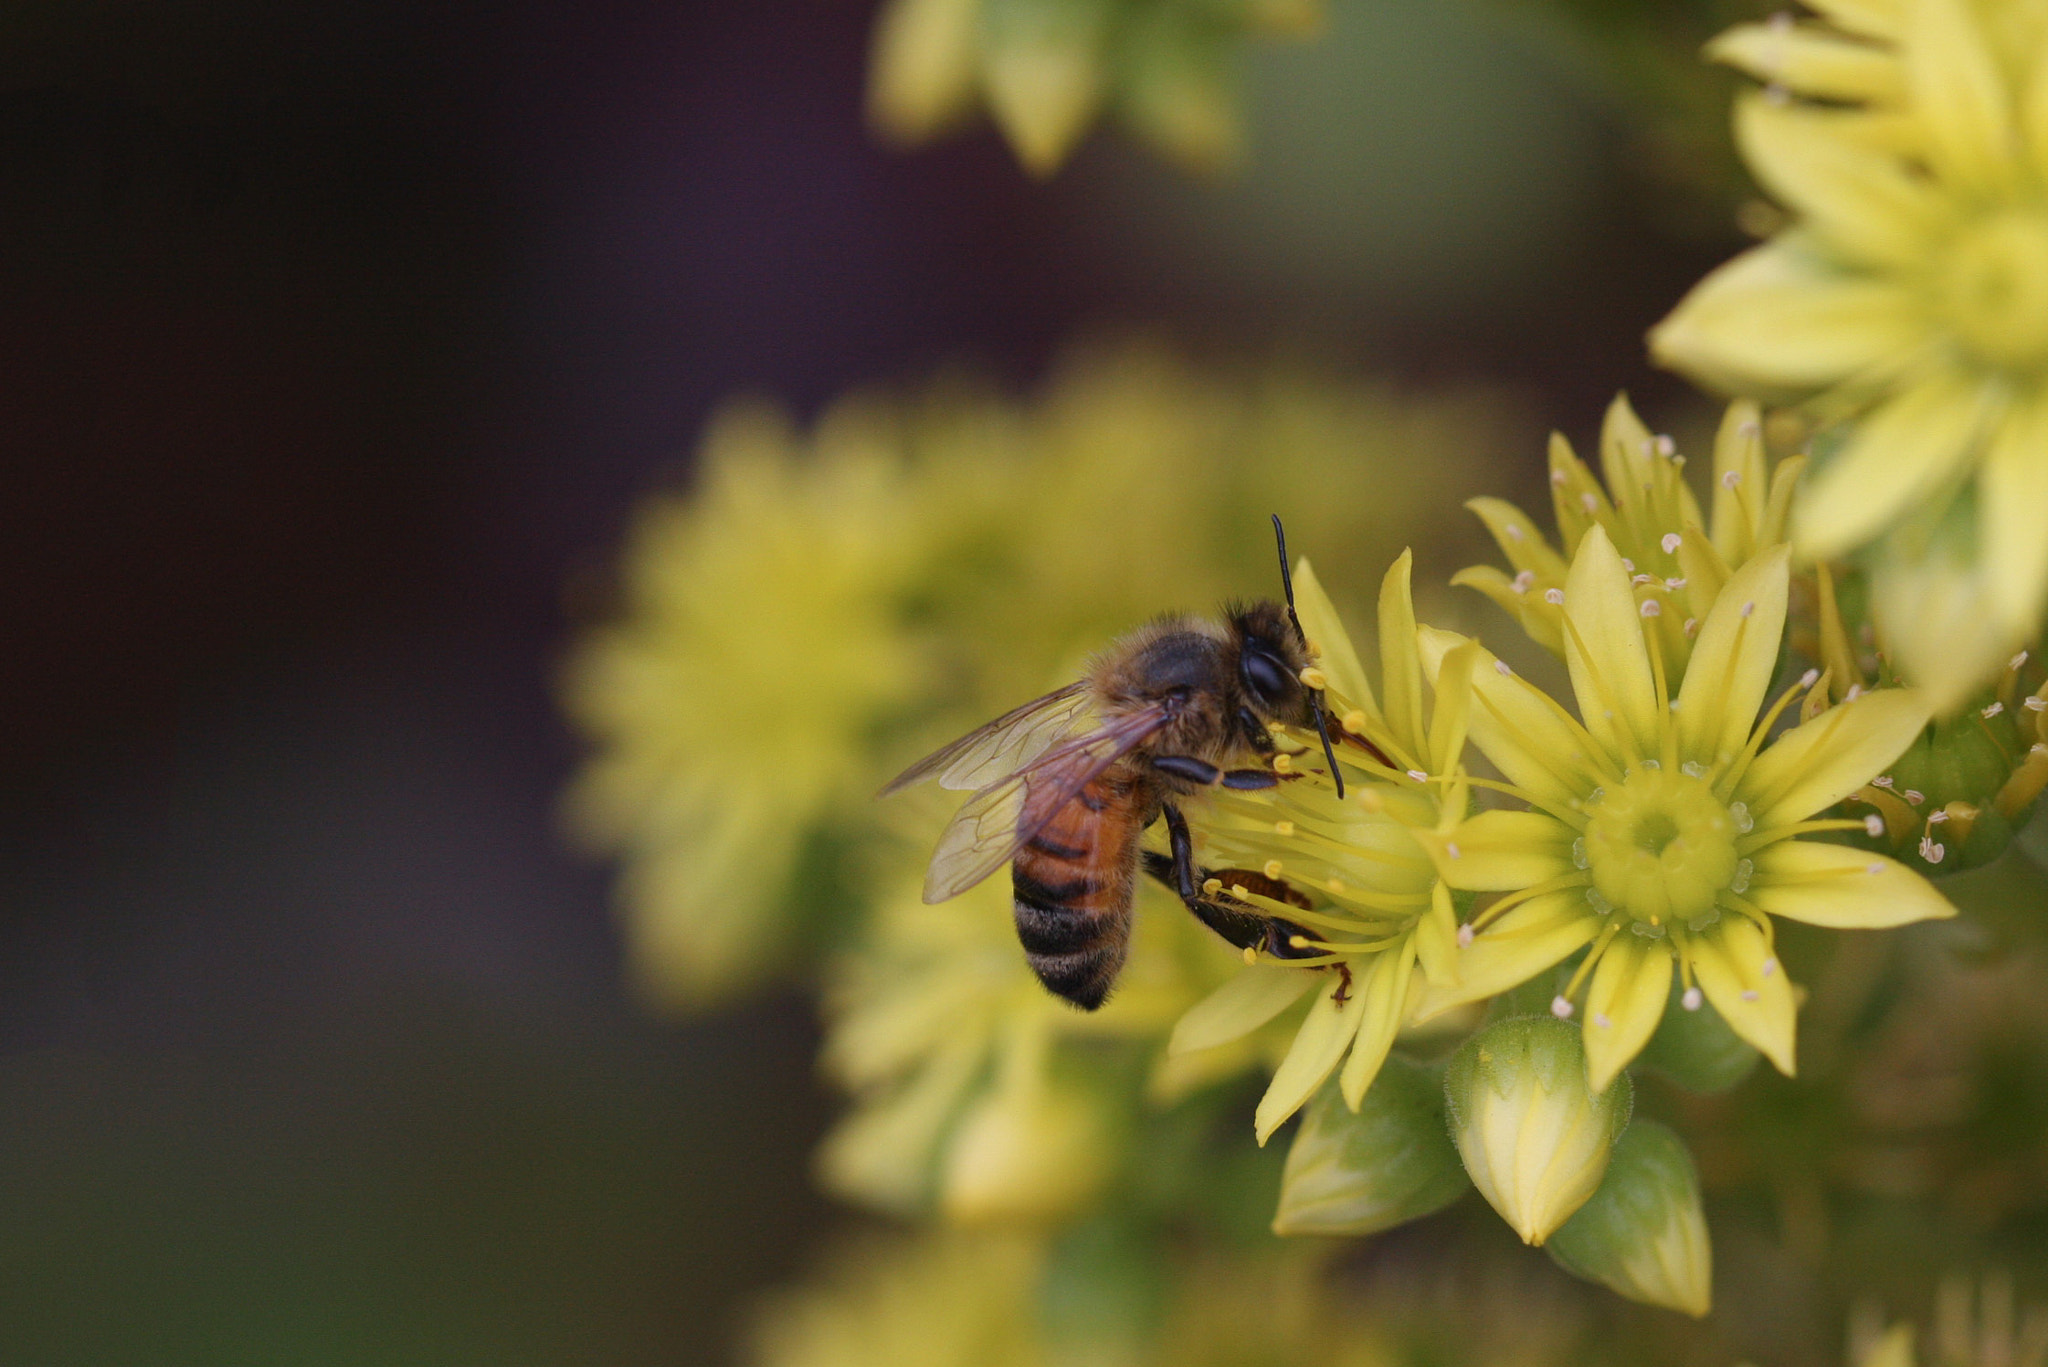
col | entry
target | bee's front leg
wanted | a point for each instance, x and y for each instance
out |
(1237, 922)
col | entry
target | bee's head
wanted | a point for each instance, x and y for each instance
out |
(1270, 658)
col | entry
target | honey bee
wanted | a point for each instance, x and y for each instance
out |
(1065, 785)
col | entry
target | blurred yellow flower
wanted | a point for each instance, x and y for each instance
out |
(1661, 829)
(1910, 300)
(715, 755)
(1047, 68)
(1675, 557)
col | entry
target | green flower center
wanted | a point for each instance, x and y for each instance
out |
(1993, 288)
(1661, 846)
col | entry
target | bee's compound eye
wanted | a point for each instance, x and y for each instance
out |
(1267, 678)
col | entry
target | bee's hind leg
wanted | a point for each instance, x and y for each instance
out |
(1237, 922)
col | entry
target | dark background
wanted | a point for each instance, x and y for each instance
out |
(334, 342)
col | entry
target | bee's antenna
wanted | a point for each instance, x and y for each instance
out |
(1315, 695)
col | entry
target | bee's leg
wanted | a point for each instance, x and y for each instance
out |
(1235, 921)
(1255, 733)
(1200, 771)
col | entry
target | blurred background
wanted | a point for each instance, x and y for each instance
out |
(336, 346)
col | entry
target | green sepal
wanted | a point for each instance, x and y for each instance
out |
(1390, 1163)
(1643, 1234)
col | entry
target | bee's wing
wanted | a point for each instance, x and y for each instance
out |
(996, 821)
(1003, 746)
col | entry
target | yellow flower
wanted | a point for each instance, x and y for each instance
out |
(712, 764)
(1046, 68)
(1911, 297)
(1378, 907)
(1662, 829)
(1675, 558)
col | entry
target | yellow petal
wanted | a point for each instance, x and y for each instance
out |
(1862, 203)
(1517, 603)
(1527, 736)
(1741, 483)
(1450, 716)
(1898, 456)
(1500, 851)
(1576, 500)
(1400, 669)
(1812, 61)
(1880, 19)
(1939, 618)
(1436, 938)
(2034, 114)
(1325, 628)
(1519, 540)
(1733, 660)
(1779, 320)
(1321, 1041)
(1842, 888)
(1604, 649)
(1624, 1002)
(2013, 506)
(1258, 993)
(1624, 453)
(1532, 937)
(1385, 984)
(1958, 95)
(1812, 767)
(923, 66)
(1731, 961)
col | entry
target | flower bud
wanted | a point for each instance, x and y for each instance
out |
(1032, 1149)
(1535, 1138)
(1694, 1046)
(1389, 1163)
(1643, 1234)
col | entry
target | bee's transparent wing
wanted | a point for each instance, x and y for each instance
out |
(996, 821)
(1004, 745)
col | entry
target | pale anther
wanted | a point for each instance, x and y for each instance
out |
(1501, 668)
(1936, 818)
(2036, 704)
(1675, 584)
(1629, 565)
(1652, 608)
(1557, 478)
(1561, 1008)
(1451, 848)
(2016, 661)
(1881, 781)
(1671, 542)
(1418, 775)
(1272, 869)
(1770, 966)
(1914, 796)
(1465, 936)
(1931, 849)
(1874, 824)
(1855, 692)
(1692, 624)
(1731, 479)
(1283, 829)
(1666, 446)
(1809, 678)
(1691, 1000)
(1588, 502)
(1873, 869)
(1600, 1019)
(1992, 710)
(1514, 531)
(1748, 608)
(1640, 578)
(1524, 581)
(1553, 596)
(1750, 994)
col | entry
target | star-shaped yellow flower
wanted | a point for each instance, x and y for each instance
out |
(1661, 830)
(1376, 906)
(1909, 298)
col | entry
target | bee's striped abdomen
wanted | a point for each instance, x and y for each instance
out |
(1072, 885)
